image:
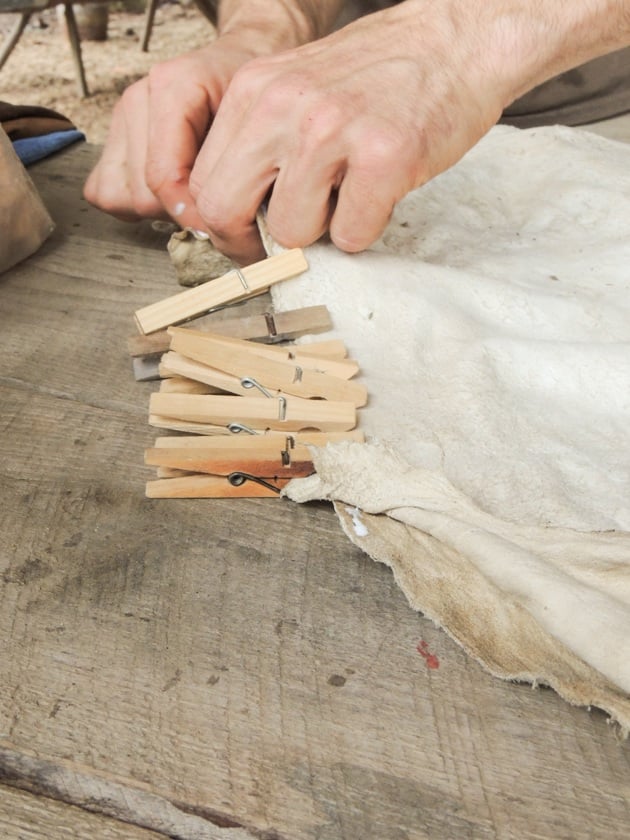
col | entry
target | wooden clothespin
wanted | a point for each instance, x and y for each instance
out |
(259, 465)
(290, 413)
(234, 286)
(272, 370)
(184, 385)
(324, 356)
(237, 485)
(307, 438)
(268, 328)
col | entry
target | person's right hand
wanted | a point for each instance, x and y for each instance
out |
(157, 129)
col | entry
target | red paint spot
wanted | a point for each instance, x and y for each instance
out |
(430, 658)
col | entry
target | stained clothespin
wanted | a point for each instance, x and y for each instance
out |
(237, 466)
(234, 286)
(236, 485)
(271, 370)
(268, 328)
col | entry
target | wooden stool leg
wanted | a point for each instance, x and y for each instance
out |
(13, 37)
(75, 45)
(148, 25)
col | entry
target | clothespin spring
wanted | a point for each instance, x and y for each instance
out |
(238, 478)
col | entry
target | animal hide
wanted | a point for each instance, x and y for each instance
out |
(492, 322)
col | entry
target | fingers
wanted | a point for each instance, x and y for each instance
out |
(255, 145)
(298, 200)
(228, 206)
(233, 172)
(332, 134)
(382, 168)
(178, 116)
(157, 128)
(228, 199)
(116, 184)
(326, 169)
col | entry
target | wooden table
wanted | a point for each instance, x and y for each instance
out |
(224, 669)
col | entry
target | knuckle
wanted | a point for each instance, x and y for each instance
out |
(162, 75)
(131, 97)
(145, 205)
(382, 148)
(102, 193)
(322, 122)
(159, 178)
(155, 178)
(216, 217)
(272, 92)
(247, 79)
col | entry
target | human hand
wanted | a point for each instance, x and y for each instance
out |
(336, 132)
(157, 129)
(341, 129)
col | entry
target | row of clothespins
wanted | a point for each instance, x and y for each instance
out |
(249, 406)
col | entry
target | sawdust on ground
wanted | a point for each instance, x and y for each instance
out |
(40, 70)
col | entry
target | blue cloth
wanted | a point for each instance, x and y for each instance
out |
(31, 149)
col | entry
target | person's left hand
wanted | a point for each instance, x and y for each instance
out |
(157, 129)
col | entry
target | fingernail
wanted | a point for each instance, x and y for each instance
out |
(198, 234)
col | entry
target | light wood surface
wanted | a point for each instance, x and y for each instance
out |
(230, 669)
(27, 817)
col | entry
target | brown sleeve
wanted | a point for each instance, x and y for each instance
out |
(19, 121)
(209, 9)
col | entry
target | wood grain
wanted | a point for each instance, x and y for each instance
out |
(24, 816)
(239, 661)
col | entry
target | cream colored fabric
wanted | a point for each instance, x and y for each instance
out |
(492, 323)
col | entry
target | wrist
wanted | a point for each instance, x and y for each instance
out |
(529, 43)
(276, 26)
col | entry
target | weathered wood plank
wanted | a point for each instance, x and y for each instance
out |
(35, 786)
(236, 659)
(24, 816)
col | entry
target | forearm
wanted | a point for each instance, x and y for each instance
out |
(529, 41)
(278, 24)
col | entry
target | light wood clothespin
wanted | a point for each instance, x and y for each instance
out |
(291, 414)
(234, 286)
(324, 356)
(269, 369)
(183, 385)
(309, 438)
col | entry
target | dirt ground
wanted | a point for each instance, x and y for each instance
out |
(40, 70)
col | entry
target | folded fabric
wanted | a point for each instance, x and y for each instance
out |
(19, 121)
(36, 131)
(492, 322)
(32, 149)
